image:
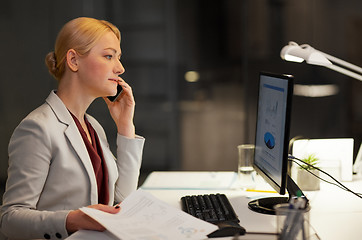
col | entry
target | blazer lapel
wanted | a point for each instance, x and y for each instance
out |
(75, 139)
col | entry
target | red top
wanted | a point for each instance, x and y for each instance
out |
(96, 155)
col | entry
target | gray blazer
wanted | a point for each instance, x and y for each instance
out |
(50, 172)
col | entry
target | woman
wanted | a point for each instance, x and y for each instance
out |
(59, 157)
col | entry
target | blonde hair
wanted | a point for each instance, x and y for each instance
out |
(80, 34)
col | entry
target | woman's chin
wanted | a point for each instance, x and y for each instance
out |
(112, 92)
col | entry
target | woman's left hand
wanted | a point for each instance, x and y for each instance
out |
(122, 110)
(77, 220)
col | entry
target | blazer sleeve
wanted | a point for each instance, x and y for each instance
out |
(129, 158)
(29, 162)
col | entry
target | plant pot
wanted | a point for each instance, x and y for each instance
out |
(308, 182)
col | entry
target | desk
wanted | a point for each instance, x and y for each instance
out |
(335, 213)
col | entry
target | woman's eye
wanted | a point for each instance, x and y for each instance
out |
(109, 57)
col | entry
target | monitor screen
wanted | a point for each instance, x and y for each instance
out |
(272, 135)
(272, 130)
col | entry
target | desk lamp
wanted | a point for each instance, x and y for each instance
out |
(298, 53)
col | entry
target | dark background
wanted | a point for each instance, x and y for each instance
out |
(191, 126)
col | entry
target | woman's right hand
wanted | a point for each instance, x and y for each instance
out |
(77, 220)
(122, 110)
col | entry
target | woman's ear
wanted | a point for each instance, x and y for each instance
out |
(72, 60)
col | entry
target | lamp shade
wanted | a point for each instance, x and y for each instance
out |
(299, 53)
(295, 53)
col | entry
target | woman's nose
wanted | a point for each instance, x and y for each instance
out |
(119, 68)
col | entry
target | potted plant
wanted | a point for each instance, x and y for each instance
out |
(307, 177)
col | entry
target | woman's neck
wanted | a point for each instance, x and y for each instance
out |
(76, 101)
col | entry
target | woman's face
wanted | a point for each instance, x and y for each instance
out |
(99, 69)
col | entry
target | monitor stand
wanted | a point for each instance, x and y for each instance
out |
(266, 205)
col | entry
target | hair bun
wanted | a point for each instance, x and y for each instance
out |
(51, 62)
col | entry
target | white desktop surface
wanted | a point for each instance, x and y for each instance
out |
(335, 213)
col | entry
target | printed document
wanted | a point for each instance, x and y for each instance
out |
(143, 216)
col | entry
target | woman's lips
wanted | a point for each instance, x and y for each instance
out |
(114, 80)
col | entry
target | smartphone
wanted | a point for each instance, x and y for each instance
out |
(119, 91)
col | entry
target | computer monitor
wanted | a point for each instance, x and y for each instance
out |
(272, 139)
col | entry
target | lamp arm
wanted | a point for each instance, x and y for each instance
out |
(345, 71)
(342, 62)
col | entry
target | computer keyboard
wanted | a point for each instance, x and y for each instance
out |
(216, 209)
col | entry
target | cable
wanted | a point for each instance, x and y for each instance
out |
(300, 165)
(340, 185)
(318, 176)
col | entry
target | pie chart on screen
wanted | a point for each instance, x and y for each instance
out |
(269, 140)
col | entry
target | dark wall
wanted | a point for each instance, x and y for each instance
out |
(191, 125)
